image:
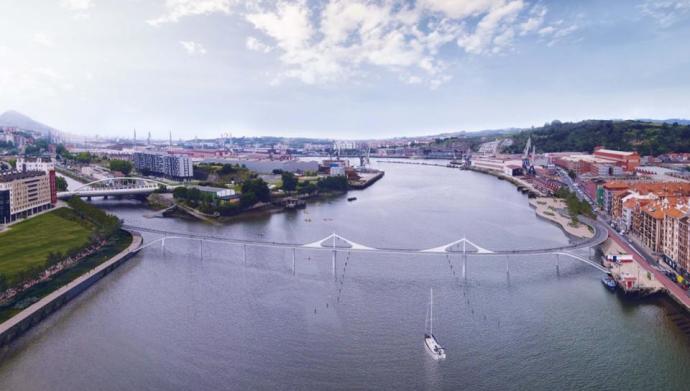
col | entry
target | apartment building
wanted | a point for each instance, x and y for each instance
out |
(23, 194)
(35, 164)
(178, 167)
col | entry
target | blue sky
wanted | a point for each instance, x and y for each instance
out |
(340, 69)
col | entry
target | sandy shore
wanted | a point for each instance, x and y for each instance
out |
(553, 209)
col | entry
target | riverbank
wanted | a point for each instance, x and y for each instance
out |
(32, 315)
(259, 209)
(670, 288)
(554, 210)
(520, 184)
(366, 179)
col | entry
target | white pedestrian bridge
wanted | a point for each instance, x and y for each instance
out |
(116, 187)
(335, 243)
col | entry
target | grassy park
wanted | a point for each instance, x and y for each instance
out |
(26, 245)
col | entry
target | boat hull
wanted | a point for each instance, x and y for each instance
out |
(433, 347)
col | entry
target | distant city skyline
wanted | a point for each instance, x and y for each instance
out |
(339, 69)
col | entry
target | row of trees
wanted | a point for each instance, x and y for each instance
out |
(106, 225)
(575, 206)
(253, 191)
(61, 183)
(123, 166)
(331, 183)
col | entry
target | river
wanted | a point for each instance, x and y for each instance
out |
(175, 320)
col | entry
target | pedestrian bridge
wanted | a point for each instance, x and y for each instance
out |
(116, 187)
(335, 243)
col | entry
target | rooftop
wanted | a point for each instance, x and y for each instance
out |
(613, 152)
(10, 176)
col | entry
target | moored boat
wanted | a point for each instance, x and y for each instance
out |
(609, 282)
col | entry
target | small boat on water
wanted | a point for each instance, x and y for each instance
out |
(609, 282)
(351, 199)
(432, 346)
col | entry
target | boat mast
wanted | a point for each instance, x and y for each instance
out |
(431, 313)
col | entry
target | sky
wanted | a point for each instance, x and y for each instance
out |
(340, 69)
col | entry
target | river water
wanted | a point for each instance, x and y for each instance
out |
(177, 319)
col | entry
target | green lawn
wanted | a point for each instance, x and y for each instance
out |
(28, 243)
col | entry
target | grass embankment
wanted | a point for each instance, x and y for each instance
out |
(27, 248)
(26, 245)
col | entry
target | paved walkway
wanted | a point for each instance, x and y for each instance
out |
(550, 208)
(676, 291)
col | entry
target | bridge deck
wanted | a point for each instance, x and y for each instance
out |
(600, 235)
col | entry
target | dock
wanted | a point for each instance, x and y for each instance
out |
(366, 179)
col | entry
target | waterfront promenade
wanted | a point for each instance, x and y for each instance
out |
(677, 293)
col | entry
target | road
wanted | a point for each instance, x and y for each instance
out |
(647, 263)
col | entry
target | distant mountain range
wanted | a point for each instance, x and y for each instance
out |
(553, 136)
(15, 119)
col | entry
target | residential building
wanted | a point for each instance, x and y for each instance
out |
(35, 164)
(178, 167)
(23, 194)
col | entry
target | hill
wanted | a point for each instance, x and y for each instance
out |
(15, 119)
(647, 138)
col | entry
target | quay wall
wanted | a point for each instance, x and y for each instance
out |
(32, 315)
(368, 182)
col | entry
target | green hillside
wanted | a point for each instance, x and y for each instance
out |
(646, 138)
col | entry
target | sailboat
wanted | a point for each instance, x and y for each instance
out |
(432, 346)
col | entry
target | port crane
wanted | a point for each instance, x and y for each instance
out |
(527, 160)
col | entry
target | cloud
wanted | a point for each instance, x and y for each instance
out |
(665, 12)
(43, 39)
(340, 39)
(193, 48)
(177, 9)
(535, 20)
(256, 45)
(494, 31)
(76, 5)
(336, 40)
(557, 31)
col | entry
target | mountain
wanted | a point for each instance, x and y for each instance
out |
(15, 119)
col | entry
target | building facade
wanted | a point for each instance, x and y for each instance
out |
(23, 194)
(179, 167)
(35, 164)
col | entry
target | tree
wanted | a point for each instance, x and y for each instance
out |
(289, 181)
(180, 193)
(333, 183)
(248, 199)
(306, 188)
(193, 195)
(123, 166)
(227, 169)
(258, 187)
(61, 183)
(83, 157)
